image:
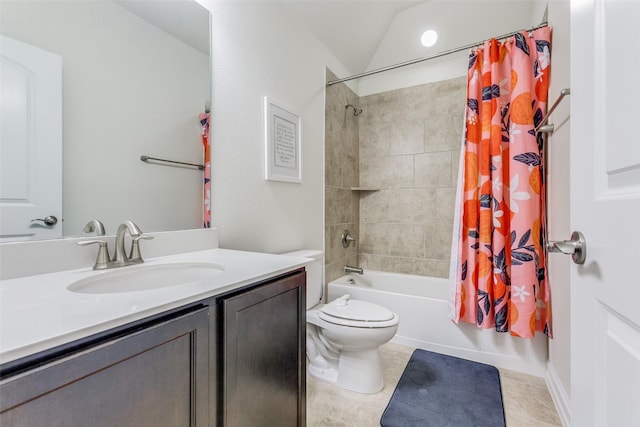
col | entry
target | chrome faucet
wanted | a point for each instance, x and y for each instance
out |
(350, 269)
(120, 258)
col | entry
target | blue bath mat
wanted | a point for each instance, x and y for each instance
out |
(437, 391)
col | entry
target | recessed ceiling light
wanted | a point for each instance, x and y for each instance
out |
(429, 38)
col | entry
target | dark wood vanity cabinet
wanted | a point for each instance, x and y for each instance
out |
(261, 351)
(236, 359)
(156, 376)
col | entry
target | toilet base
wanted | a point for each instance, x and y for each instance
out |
(359, 371)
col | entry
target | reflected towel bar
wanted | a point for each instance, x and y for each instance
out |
(542, 127)
(147, 158)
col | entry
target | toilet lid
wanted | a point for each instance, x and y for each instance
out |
(353, 309)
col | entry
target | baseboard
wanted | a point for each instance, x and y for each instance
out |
(558, 395)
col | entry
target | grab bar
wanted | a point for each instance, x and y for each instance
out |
(542, 127)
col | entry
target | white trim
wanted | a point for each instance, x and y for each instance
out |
(558, 395)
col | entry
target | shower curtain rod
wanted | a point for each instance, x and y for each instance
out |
(426, 58)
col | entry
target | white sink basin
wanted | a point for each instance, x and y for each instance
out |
(146, 277)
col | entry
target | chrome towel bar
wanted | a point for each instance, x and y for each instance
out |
(147, 158)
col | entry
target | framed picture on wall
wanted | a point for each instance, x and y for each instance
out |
(283, 143)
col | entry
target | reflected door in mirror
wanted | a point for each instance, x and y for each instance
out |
(31, 142)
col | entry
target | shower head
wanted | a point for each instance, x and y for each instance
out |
(356, 111)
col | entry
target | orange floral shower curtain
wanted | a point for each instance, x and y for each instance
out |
(206, 143)
(501, 273)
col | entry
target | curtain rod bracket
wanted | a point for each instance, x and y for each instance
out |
(548, 128)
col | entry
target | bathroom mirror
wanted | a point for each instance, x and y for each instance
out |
(135, 78)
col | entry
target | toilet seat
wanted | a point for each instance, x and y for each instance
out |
(355, 313)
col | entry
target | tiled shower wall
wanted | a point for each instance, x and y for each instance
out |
(403, 150)
(341, 173)
(409, 148)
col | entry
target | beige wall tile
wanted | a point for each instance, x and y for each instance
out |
(375, 113)
(407, 137)
(371, 262)
(407, 240)
(329, 251)
(445, 203)
(374, 142)
(432, 268)
(438, 239)
(349, 134)
(349, 175)
(374, 206)
(433, 169)
(332, 209)
(374, 238)
(443, 133)
(332, 168)
(455, 167)
(387, 172)
(332, 245)
(332, 128)
(341, 173)
(399, 265)
(333, 271)
(408, 146)
(340, 206)
(411, 204)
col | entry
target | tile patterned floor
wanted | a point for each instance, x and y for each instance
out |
(526, 399)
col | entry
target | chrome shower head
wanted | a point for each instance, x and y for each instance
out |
(356, 111)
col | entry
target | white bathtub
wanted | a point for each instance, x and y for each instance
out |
(422, 305)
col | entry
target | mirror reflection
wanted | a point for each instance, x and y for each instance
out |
(133, 78)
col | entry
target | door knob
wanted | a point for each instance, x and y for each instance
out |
(576, 247)
(47, 220)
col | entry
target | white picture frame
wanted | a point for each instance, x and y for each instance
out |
(283, 143)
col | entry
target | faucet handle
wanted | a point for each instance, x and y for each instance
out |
(135, 257)
(102, 260)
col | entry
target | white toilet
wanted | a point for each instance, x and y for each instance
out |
(343, 335)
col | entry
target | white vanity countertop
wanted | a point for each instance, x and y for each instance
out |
(39, 312)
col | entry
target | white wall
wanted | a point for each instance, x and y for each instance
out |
(558, 377)
(258, 50)
(106, 128)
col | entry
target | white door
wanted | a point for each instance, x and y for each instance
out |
(30, 142)
(605, 206)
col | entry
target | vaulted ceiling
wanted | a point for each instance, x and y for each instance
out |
(367, 34)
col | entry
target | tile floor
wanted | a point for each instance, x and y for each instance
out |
(526, 399)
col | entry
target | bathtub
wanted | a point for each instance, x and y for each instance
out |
(422, 305)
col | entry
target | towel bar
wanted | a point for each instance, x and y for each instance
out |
(145, 158)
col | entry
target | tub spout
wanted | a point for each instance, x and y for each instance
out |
(350, 269)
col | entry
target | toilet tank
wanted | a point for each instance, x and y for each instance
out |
(314, 274)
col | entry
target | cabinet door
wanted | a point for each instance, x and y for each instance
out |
(154, 377)
(263, 355)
